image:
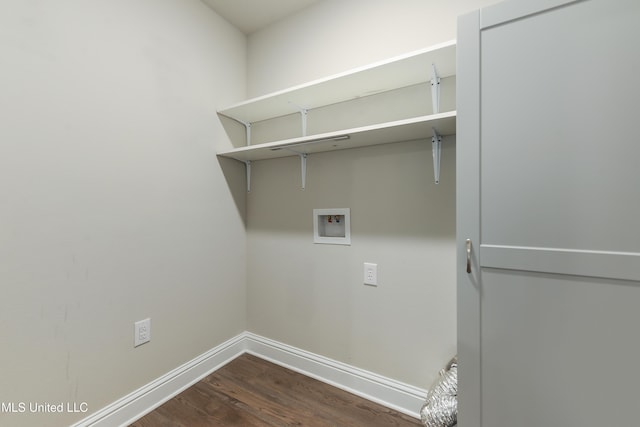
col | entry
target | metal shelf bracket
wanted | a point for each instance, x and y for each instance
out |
(435, 89)
(247, 129)
(436, 148)
(248, 168)
(303, 166)
(303, 117)
(303, 169)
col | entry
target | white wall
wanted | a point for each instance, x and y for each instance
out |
(113, 206)
(337, 35)
(312, 296)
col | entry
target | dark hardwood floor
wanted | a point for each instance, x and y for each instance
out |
(251, 392)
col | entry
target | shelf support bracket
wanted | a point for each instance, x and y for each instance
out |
(247, 129)
(436, 148)
(435, 89)
(303, 166)
(303, 117)
(248, 168)
(303, 169)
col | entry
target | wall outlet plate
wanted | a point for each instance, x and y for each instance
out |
(142, 332)
(370, 274)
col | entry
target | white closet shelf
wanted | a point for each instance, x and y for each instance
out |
(424, 66)
(390, 132)
(401, 71)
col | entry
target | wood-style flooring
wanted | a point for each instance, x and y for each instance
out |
(251, 392)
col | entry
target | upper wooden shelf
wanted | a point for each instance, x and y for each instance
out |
(394, 73)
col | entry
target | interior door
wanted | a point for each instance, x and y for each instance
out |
(549, 198)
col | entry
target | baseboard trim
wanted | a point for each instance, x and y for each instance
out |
(393, 394)
(142, 401)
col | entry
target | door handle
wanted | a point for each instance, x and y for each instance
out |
(469, 256)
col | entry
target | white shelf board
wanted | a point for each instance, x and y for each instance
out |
(397, 131)
(394, 73)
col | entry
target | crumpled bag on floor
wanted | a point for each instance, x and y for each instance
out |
(441, 406)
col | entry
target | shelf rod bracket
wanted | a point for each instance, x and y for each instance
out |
(303, 169)
(248, 168)
(435, 89)
(436, 148)
(303, 117)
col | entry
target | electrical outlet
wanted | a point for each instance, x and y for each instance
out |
(370, 274)
(142, 332)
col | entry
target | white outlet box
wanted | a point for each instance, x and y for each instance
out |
(370, 274)
(142, 332)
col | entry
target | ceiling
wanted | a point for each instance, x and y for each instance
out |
(252, 15)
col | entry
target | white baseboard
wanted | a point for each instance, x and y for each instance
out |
(393, 394)
(387, 392)
(148, 397)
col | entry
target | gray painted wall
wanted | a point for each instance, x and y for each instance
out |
(114, 207)
(312, 296)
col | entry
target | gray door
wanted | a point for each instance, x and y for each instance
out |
(549, 196)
